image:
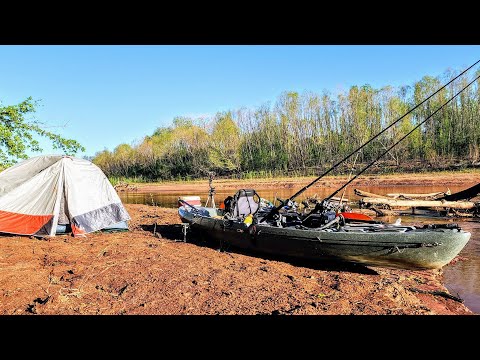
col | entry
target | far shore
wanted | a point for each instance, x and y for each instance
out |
(450, 178)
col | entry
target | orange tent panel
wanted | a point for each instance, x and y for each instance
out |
(22, 224)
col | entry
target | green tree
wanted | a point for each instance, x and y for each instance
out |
(305, 133)
(18, 133)
(104, 159)
(225, 144)
(124, 156)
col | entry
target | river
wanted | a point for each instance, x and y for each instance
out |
(461, 278)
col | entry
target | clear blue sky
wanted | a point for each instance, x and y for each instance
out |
(108, 95)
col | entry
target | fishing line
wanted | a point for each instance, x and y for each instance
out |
(403, 137)
(380, 133)
(273, 210)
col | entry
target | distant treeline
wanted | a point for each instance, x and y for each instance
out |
(306, 133)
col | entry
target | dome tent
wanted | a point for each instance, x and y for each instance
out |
(42, 193)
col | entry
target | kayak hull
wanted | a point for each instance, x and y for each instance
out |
(398, 247)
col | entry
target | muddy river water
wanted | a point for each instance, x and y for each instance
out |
(461, 279)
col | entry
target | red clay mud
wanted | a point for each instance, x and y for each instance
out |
(145, 271)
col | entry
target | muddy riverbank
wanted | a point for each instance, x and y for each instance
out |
(145, 271)
(428, 179)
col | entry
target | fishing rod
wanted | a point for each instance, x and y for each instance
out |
(275, 209)
(401, 139)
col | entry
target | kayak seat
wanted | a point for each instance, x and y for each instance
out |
(245, 202)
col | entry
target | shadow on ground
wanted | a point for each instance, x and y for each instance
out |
(169, 232)
(174, 232)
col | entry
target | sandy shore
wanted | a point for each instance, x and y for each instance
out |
(442, 178)
(139, 272)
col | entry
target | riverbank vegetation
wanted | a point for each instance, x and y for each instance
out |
(301, 134)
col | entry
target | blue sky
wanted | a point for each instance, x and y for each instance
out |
(108, 95)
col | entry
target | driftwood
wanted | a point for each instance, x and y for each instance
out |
(461, 214)
(393, 203)
(428, 196)
(383, 212)
(337, 199)
(466, 194)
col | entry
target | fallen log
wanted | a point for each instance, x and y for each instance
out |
(393, 203)
(429, 196)
(461, 214)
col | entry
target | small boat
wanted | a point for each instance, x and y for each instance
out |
(328, 231)
(348, 237)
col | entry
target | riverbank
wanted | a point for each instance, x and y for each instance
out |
(446, 178)
(145, 271)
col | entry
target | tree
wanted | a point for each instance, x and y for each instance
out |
(124, 156)
(18, 132)
(225, 144)
(307, 133)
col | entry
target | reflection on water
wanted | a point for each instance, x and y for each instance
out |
(169, 198)
(461, 278)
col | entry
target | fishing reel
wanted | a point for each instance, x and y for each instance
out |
(288, 216)
(326, 205)
(323, 213)
(288, 205)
